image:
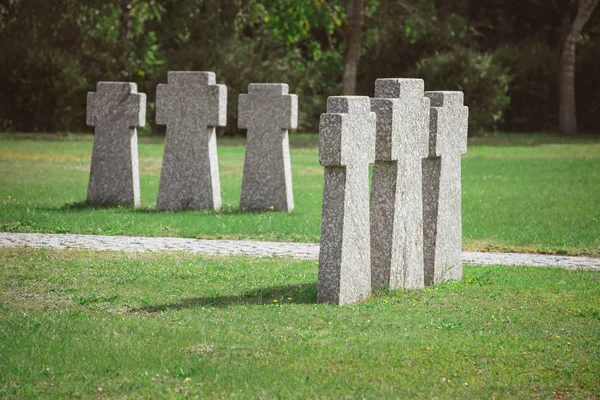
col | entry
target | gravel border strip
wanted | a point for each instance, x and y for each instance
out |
(305, 251)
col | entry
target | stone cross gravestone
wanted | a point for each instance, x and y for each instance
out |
(192, 106)
(346, 148)
(267, 111)
(442, 221)
(115, 110)
(396, 197)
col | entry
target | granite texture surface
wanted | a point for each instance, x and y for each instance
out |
(115, 110)
(346, 148)
(267, 111)
(396, 194)
(442, 220)
(192, 105)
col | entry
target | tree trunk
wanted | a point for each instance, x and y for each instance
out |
(125, 7)
(567, 111)
(124, 23)
(352, 45)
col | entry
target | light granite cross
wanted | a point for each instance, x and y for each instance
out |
(442, 221)
(396, 194)
(268, 112)
(346, 148)
(115, 110)
(192, 106)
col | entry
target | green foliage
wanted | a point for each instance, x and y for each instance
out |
(246, 60)
(293, 21)
(304, 42)
(484, 82)
(55, 52)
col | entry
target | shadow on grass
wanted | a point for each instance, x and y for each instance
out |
(225, 210)
(305, 293)
(84, 205)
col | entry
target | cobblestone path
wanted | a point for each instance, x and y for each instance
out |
(307, 251)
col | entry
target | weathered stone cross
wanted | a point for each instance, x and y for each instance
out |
(442, 226)
(115, 110)
(346, 148)
(267, 111)
(396, 196)
(191, 105)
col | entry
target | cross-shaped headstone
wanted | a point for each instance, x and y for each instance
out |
(267, 111)
(396, 196)
(442, 221)
(192, 106)
(115, 110)
(346, 148)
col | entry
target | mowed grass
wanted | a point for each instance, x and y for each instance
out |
(116, 325)
(533, 193)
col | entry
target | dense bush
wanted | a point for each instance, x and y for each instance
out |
(484, 82)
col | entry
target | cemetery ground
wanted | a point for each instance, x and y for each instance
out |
(523, 193)
(78, 323)
(83, 324)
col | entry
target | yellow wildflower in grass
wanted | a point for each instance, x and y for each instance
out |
(275, 301)
(289, 298)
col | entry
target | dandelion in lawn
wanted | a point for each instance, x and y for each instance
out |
(569, 343)
(289, 298)
(275, 301)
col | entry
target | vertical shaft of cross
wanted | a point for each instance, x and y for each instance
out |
(192, 105)
(396, 198)
(267, 111)
(116, 109)
(346, 148)
(442, 228)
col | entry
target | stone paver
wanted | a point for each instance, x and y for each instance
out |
(306, 251)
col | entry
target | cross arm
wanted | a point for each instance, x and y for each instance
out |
(217, 107)
(448, 124)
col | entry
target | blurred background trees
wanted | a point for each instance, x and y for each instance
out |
(522, 65)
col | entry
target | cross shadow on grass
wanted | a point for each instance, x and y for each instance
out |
(85, 206)
(305, 293)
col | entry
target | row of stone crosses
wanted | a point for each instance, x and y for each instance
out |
(406, 234)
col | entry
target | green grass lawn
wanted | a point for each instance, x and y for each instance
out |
(116, 325)
(520, 193)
